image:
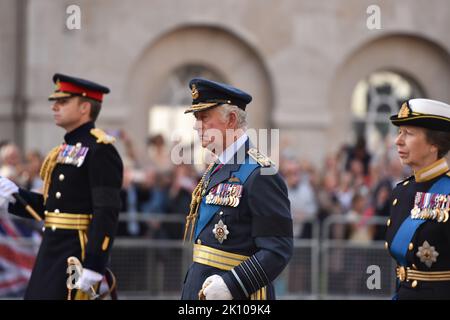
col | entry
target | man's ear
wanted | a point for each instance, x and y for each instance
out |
(232, 119)
(85, 107)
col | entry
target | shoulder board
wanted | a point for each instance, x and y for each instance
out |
(102, 137)
(262, 160)
(404, 180)
(448, 174)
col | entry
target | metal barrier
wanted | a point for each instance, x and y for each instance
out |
(345, 264)
(321, 267)
(150, 269)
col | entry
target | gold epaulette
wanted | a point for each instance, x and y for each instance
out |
(102, 136)
(262, 160)
(448, 173)
(47, 168)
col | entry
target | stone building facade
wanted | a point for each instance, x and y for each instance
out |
(300, 59)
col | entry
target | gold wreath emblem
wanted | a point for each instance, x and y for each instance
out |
(194, 92)
(404, 111)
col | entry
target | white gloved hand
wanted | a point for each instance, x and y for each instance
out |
(88, 279)
(7, 188)
(214, 288)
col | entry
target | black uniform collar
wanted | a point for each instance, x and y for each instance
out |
(76, 135)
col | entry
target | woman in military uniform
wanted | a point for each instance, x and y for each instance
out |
(418, 231)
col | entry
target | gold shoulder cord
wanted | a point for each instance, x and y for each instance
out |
(195, 202)
(47, 169)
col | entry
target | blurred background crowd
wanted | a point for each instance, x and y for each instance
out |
(351, 182)
(352, 185)
(326, 74)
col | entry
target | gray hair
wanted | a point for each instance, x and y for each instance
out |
(241, 115)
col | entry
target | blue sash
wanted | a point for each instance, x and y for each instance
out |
(207, 211)
(405, 233)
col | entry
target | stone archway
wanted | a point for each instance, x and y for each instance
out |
(418, 58)
(215, 48)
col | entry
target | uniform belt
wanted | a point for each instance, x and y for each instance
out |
(406, 274)
(67, 221)
(217, 258)
(225, 261)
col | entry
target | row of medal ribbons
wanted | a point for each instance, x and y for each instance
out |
(74, 155)
(432, 206)
(225, 194)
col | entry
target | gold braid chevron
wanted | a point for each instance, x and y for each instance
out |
(47, 169)
(195, 203)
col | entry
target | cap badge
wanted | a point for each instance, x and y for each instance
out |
(404, 111)
(194, 92)
(57, 85)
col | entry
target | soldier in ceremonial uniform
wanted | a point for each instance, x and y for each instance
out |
(240, 218)
(80, 201)
(418, 231)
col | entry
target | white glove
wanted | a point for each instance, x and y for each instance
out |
(88, 279)
(7, 188)
(214, 288)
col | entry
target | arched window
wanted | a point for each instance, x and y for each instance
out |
(167, 116)
(375, 99)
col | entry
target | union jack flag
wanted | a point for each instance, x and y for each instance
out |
(18, 247)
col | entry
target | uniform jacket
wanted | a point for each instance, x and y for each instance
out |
(260, 228)
(92, 187)
(431, 236)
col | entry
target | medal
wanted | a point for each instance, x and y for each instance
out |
(220, 231)
(225, 194)
(427, 254)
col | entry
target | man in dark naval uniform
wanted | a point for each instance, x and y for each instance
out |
(80, 201)
(418, 231)
(240, 218)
